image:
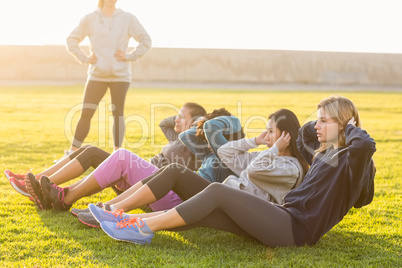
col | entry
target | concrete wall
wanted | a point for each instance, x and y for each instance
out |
(53, 63)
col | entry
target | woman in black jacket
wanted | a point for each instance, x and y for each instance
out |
(340, 177)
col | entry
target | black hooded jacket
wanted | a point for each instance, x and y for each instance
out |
(337, 180)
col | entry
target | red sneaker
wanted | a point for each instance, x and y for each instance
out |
(9, 174)
(19, 186)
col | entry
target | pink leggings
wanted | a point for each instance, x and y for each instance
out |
(124, 169)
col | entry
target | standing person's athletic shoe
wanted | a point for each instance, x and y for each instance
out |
(130, 230)
(19, 186)
(104, 215)
(76, 211)
(34, 189)
(55, 194)
(10, 175)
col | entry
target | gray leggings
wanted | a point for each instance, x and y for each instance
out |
(221, 207)
(94, 92)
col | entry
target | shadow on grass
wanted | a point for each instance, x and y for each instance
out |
(355, 248)
(203, 246)
(101, 249)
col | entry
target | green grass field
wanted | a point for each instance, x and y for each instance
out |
(36, 123)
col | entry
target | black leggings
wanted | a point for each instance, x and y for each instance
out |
(94, 92)
(221, 207)
(89, 156)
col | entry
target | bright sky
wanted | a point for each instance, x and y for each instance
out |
(314, 25)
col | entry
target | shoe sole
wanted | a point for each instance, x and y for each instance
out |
(130, 241)
(45, 194)
(90, 225)
(93, 213)
(8, 177)
(76, 214)
(19, 190)
(31, 191)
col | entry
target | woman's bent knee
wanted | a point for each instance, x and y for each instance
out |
(176, 167)
(215, 188)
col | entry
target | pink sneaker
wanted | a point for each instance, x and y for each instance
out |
(9, 174)
(19, 186)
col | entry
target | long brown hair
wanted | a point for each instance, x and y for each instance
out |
(287, 121)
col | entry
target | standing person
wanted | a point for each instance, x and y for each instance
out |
(341, 176)
(109, 30)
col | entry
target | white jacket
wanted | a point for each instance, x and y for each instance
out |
(264, 174)
(106, 36)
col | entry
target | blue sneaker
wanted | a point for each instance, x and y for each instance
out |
(127, 230)
(101, 215)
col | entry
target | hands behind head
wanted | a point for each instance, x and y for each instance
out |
(352, 121)
(261, 138)
(283, 142)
